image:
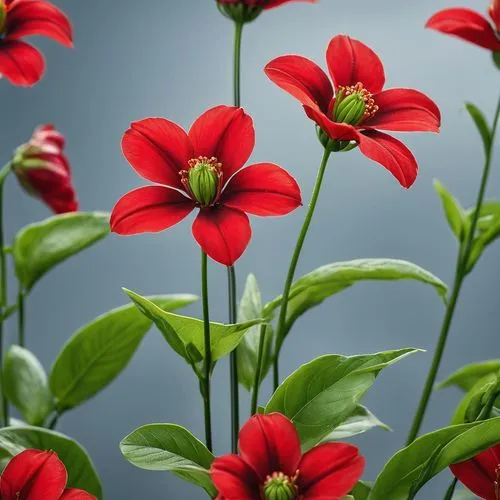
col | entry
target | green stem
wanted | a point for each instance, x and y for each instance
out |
(280, 330)
(460, 275)
(258, 370)
(21, 323)
(207, 367)
(3, 292)
(451, 490)
(53, 422)
(233, 361)
(238, 32)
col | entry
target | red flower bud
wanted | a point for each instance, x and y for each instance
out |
(44, 171)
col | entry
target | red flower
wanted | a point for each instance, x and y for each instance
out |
(271, 466)
(36, 475)
(470, 26)
(481, 474)
(359, 107)
(264, 4)
(44, 171)
(20, 62)
(202, 169)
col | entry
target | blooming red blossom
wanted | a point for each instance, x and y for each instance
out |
(202, 169)
(481, 474)
(44, 171)
(270, 465)
(469, 25)
(356, 107)
(21, 63)
(37, 475)
(264, 4)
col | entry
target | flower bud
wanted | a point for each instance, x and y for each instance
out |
(240, 11)
(350, 109)
(203, 182)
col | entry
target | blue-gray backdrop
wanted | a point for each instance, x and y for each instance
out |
(173, 58)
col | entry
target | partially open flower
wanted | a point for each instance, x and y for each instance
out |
(21, 63)
(245, 11)
(37, 475)
(44, 171)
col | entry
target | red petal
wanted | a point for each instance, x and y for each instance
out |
(330, 471)
(405, 110)
(390, 153)
(270, 4)
(336, 131)
(48, 134)
(20, 63)
(226, 133)
(74, 494)
(37, 17)
(270, 443)
(157, 149)
(262, 189)
(467, 25)
(494, 12)
(301, 78)
(148, 210)
(33, 475)
(350, 61)
(234, 479)
(223, 233)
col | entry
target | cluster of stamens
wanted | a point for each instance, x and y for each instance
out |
(211, 187)
(370, 106)
(280, 486)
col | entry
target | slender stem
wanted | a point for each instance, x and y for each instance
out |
(53, 422)
(280, 330)
(233, 361)
(258, 370)
(463, 260)
(207, 368)
(451, 490)
(3, 292)
(21, 323)
(238, 32)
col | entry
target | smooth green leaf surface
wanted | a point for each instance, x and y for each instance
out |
(39, 247)
(466, 377)
(361, 491)
(248, 350)
(169, 447)
(361, 420)
(96, 354)
(26, 386)
(182, 331)
(446, 447)
(322, 394)
(481, 125)
(455, 214)
(312, 289)
(81, 471)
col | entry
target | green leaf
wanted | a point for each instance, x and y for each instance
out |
(39, 247)
(466, 377)
(361, 491)
(322, 394)
(26, 385)
(182, 331)
(313, 288)
(448, 446)
(169, 447)
(496, 59)
(481, 125)
(361, 420)
(81, 471)
(96, 354)
(248, 349)
(455, 214)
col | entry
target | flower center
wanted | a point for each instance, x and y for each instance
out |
(203, 179)
(353, 105)
(278, 486)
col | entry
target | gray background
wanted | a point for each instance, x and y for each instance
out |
(172, 59)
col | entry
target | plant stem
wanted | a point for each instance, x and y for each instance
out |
(53, 422)
(21, 318)
(451, 490)
(258, 370)
(233, 361)
(3, 292)
(280, 330)
(207, 368)
(238, 32)
(461, 272)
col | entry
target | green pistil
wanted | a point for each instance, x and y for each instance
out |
(203, 182)
(350, 109)
(280, 487)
